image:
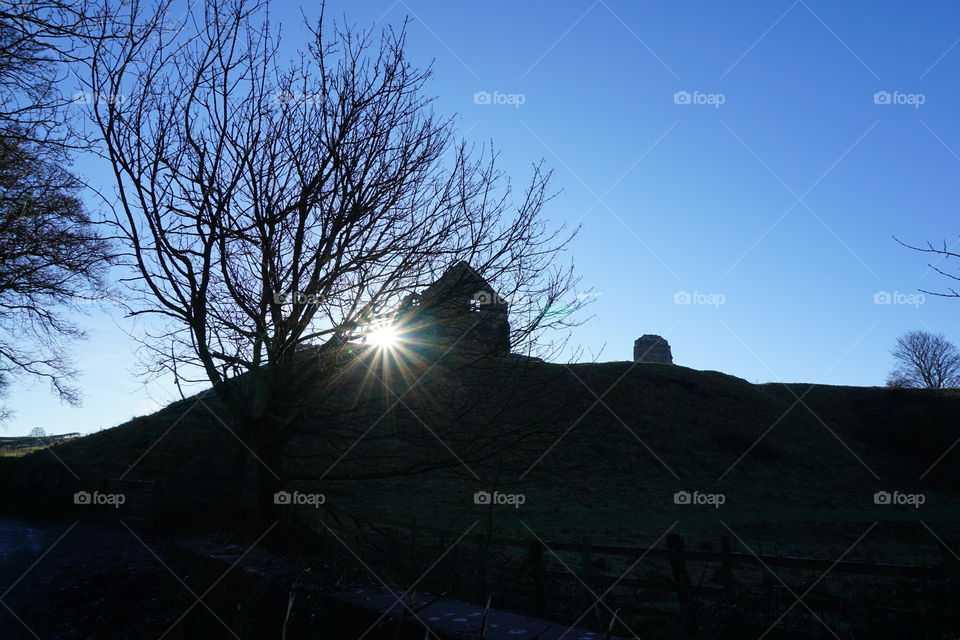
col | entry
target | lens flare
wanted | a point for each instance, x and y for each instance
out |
(384, 336)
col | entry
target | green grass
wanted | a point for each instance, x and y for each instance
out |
(17, 446)
(806, 488)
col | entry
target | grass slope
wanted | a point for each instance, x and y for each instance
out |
(798, 476)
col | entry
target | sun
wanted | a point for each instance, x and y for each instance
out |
(384, 336)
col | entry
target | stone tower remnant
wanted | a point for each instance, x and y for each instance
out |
(652, 348)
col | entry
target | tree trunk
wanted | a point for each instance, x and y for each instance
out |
(271, 512)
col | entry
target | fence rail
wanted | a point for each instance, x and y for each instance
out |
(676, 555)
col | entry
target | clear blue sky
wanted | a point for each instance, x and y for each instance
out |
(776, 189)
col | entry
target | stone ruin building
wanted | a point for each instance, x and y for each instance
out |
(459, 310)
(652, 348)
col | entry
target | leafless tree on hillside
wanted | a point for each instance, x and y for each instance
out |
(925, 360)
(240, 179)
(52, 264)
(52, 259)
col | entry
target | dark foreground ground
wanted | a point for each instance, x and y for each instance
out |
(70, 580)
(797, 479)
(81, 580)
(77, 580)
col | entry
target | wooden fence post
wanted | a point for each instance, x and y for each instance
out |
(949, 551)
(482, 567)
(326, 530)
(678, 565)
(536, 571)
(456, 576)
(586, 573)
(414, 535)
(586, 560)
(726, 569)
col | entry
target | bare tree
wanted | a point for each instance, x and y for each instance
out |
(267, 206)
(925, 359)
(52, 264)
(40, 40)
(51, 258)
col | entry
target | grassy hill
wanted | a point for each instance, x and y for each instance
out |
(797, 477)
(22, 445)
